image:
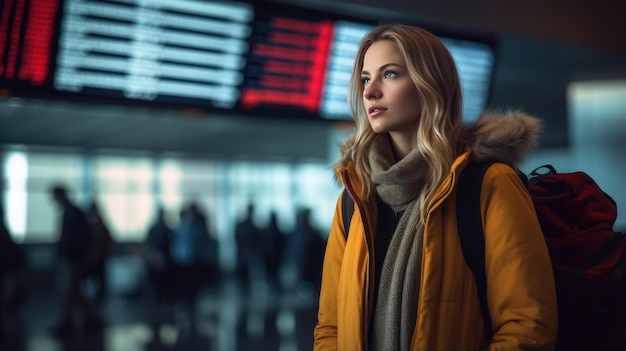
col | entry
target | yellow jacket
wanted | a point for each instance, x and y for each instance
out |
(521, 291)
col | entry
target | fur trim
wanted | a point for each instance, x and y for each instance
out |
(507, 137)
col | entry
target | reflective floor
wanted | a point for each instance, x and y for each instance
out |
(223, 318)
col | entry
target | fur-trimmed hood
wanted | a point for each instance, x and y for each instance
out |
(507, 137)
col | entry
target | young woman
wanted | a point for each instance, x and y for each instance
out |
(399, 281)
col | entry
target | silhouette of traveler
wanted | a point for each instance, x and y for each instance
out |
(311, 256)
(245, 235)
(73, 251)
(207, 246)
(12, 264)
(100, 251)
(186, 251)
(273, 244)
(158, 258)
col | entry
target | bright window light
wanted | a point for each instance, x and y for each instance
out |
(16, 173)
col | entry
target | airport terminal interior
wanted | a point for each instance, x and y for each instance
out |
(153, 115)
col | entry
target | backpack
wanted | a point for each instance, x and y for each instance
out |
(588, 256)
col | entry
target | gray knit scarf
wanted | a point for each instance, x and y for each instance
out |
(399, 185)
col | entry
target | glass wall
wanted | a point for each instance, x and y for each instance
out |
(129, 188)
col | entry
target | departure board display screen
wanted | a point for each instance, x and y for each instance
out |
(256, 57)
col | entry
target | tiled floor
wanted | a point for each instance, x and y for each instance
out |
(222, 319)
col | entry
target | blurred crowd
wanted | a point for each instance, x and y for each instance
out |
(179, 260)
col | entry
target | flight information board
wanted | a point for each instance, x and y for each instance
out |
(173, 51)
(233, 56)
(26, 39)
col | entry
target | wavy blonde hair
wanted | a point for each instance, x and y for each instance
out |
(440, 125)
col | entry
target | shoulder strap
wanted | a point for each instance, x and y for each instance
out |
(470, 228)
(347, 209)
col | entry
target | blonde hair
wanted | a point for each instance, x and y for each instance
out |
(435, 76)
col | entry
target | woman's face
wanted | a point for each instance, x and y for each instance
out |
(389, 95)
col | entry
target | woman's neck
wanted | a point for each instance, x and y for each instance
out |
(401, 146)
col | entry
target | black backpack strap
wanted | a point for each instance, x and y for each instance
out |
(470, 228)
(347, 209)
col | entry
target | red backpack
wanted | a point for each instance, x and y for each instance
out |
(588, 256)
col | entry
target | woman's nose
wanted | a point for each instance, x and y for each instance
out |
(371, 91)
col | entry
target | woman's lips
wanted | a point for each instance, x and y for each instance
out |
(375, 110)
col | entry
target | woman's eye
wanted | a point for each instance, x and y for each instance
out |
(390, 74)
(365, 80)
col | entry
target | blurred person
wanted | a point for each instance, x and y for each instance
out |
(13, 263)
(158, 258)
(312, 253)
(272, 246)
(188, 250)
(246, 233)
(304, 252)
(101, 250)
(73, 251)
(397, 279)
(207, 246)
(190, 253)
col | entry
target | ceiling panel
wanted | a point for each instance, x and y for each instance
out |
(42, 123)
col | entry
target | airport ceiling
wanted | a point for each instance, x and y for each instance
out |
(43, 124)
(47, 125)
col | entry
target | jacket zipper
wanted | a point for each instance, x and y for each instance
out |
(443, 193)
